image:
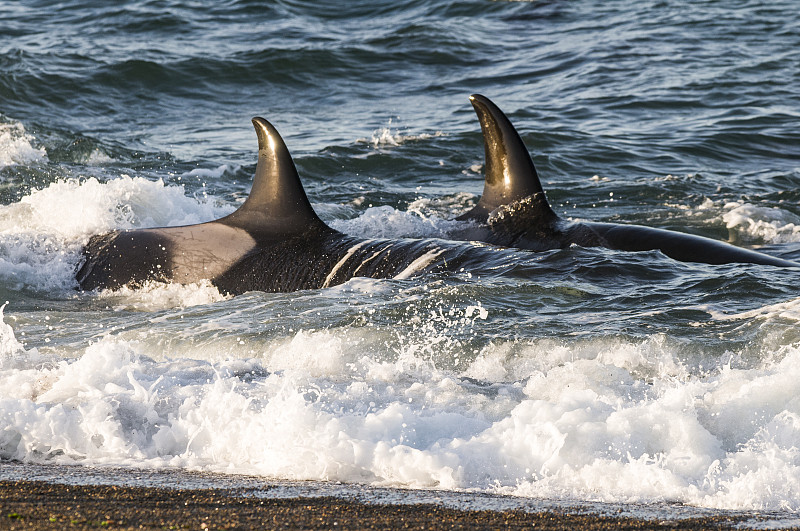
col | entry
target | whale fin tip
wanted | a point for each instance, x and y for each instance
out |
(509, 171)
(277, 200)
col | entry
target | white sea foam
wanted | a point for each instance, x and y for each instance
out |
(424, 218)
(387, 136)
(9, 346)
(42, 234)
(446, 207)
(772, 225)
(209, 173)
(591, 420)
(153, 296)
(388, 222)
(98, 157)
(16, 147)
(414, 406)
(788, 310)
(756, 223)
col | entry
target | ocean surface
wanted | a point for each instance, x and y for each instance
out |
(572, 376)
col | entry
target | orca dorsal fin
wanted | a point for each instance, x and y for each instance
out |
(510, 173)
(277, 201)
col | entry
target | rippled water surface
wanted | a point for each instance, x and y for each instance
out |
(577, 375)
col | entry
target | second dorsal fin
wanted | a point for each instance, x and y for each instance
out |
(277, 201)
(510, 173)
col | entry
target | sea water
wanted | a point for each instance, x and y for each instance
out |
(575, 375)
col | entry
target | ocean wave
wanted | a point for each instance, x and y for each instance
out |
(770, 224)
(575, 374)
(16, 146)
(530, 418)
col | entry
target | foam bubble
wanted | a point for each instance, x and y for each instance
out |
(16, 148)
(446, 207)
(9, 346)
(388, 222)
(154, 296)
(789, 310)
(593, 419)
(424, 218)
(210, 173)
(77, 208)
(302, 353)
(593, 432)
(386, 136)
(752, 222)
(98, 157)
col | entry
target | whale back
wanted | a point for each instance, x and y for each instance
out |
(276, 210)
(514, 211)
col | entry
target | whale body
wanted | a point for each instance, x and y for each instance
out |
(513, 210)
(274, 242)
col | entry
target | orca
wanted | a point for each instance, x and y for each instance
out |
(274, 242)
(513, 210)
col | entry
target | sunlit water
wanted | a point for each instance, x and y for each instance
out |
(579, 375)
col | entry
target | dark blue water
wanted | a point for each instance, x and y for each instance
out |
(676, 115)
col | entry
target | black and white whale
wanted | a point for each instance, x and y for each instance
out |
(274, 242)
(513, 210)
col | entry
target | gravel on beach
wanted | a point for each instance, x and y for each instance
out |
(46, 505)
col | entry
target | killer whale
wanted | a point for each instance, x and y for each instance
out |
(513, 210)
(274, 242)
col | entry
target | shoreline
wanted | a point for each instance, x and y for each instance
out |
(46, 505)
(58, 496)
(37, 504)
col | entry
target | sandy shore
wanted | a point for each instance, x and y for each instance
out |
(48, 505)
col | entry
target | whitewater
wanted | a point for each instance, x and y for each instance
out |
(172, 376)
(575, 377)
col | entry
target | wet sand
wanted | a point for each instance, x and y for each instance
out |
(48, 505)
